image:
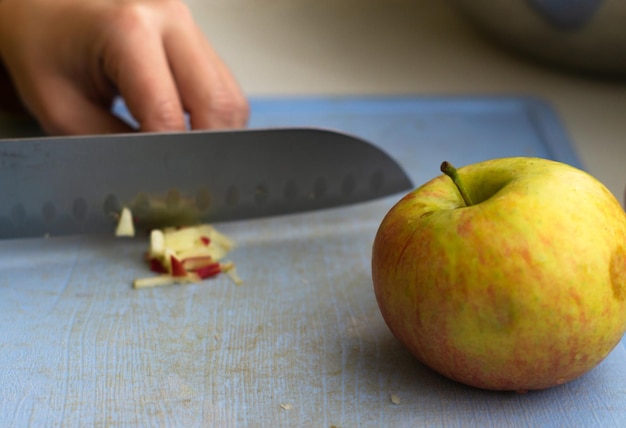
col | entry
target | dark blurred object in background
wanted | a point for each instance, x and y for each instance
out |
(583, 35)
(10, 103)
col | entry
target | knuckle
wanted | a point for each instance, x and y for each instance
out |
(129, 17)
(228, 111)
(176, 9)
(136, 14)
(141, 16)
(165, 116)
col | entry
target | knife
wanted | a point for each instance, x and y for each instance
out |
(77, 185)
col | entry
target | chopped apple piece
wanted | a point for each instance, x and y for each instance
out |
(157, 266)
(157, 243)
(182, 239)
(198, 252)
(182, 255)
(229, 269)
(194, 263)
(209, 270)
(165, 279)
(216, 237)
(125, 226)
(178, 269)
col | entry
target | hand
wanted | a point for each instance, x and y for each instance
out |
(68, 59)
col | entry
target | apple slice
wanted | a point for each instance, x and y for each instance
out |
(165, 279)
(231, 271)
(182, 239)
(157, 266)
(125, 226)
(157, 244)
(199, 252)
(177, 267)
(193, 263)
(208, 270)
(216, 238)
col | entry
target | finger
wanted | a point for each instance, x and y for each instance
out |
(241, 111)
(62, 109)
(208, 90)
(135, 61)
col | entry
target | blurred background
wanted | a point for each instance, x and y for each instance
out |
(570, 53)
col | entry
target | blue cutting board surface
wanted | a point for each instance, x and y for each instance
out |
(301, 342)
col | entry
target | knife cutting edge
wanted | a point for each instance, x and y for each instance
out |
(77, 185)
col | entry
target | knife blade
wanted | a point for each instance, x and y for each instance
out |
(77, 185)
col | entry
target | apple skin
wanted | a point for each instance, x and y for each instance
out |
(524, 290)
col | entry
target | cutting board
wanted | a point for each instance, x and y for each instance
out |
(301, 342)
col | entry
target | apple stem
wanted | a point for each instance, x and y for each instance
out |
(448, 169)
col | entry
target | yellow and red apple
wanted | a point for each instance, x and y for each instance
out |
(517, 284)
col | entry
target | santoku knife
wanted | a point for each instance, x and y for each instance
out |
(74, 185)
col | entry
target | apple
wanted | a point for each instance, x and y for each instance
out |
(509, 276)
